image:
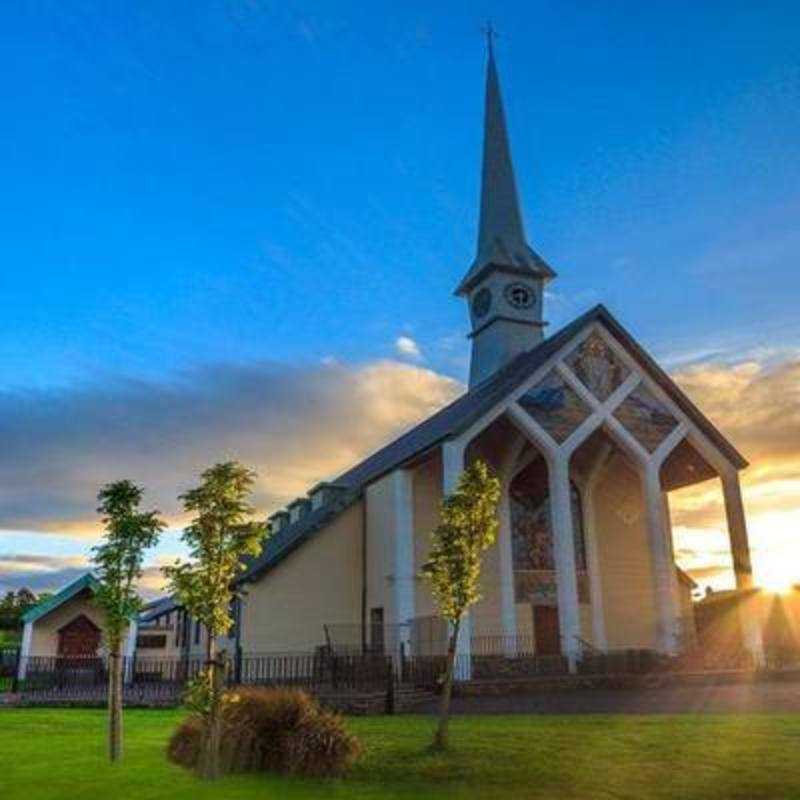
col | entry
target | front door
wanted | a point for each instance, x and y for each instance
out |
(546, 631)
(79, 638)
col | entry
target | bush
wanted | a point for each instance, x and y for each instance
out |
(276, 730)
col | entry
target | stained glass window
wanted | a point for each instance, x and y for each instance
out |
(532, 538)
(646, 417)
(597, 367)
(555, 406)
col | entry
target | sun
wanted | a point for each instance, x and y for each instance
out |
(777, 574)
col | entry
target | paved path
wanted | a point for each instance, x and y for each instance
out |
(777, 697)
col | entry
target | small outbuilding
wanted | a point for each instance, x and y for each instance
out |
(66, 626)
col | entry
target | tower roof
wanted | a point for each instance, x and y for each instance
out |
(501, 234)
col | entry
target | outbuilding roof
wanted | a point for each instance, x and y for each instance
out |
(87, 581)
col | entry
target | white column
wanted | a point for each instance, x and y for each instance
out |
(508, 611)
(452, 467)
(404, 575)
(750, 606)
(737, 529)
(564, 555)
(130, 649)
(25, 650)
(664, 575)
(599, 638)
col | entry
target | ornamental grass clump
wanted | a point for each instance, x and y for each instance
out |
(270, 730)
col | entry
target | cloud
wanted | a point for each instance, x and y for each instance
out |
(757, 405)
(300, 424)
(39, 573)
(294, 424)
(406, 346)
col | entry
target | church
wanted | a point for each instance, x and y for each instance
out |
(588, 436)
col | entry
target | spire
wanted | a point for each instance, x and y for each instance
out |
(501, 235)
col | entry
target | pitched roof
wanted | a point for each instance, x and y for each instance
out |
(158, 607)
(87, 581)
(459, 416)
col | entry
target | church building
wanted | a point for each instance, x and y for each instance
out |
(588, 436)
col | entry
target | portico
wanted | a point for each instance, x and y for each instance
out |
(587, 448)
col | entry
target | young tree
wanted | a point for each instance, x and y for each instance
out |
(468, 526)
(13, 606)
(118, 564)
(219, 537)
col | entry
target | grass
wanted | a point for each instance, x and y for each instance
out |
(51, 754)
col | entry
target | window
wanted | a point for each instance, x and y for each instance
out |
(151, 641)
(532, 538)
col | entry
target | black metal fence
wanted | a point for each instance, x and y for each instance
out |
(9, 660)
(320, 672)
(323, 672)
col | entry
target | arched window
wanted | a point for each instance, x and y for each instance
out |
(532, 537)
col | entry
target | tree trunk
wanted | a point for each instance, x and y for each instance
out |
(211, 770)
(441, 740)
(115, 667)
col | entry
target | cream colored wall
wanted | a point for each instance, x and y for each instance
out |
(319, 583)
(44, 636)
(486, 614)
(587, 627)
(380, 523)
(624, 557)
(427, 498)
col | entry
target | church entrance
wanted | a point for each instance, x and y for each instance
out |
(546, 635)
(535, 579)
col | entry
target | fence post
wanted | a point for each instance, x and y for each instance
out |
(237, 665)
(15, 674)
(390, 695)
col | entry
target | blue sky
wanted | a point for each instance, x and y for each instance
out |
(240, 182)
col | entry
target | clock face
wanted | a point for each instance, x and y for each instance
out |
(519, 295)
(481, 303)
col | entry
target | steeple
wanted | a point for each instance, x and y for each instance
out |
(505, 282)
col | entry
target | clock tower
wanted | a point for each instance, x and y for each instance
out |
(504, 287)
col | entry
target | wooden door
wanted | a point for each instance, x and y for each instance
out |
(78, 638)
(546, 631)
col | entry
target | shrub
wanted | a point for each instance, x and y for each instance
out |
(276, 730)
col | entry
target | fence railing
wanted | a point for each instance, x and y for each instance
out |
(323, 671)
(9, 659)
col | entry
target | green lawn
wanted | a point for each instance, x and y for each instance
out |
(47, 754)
